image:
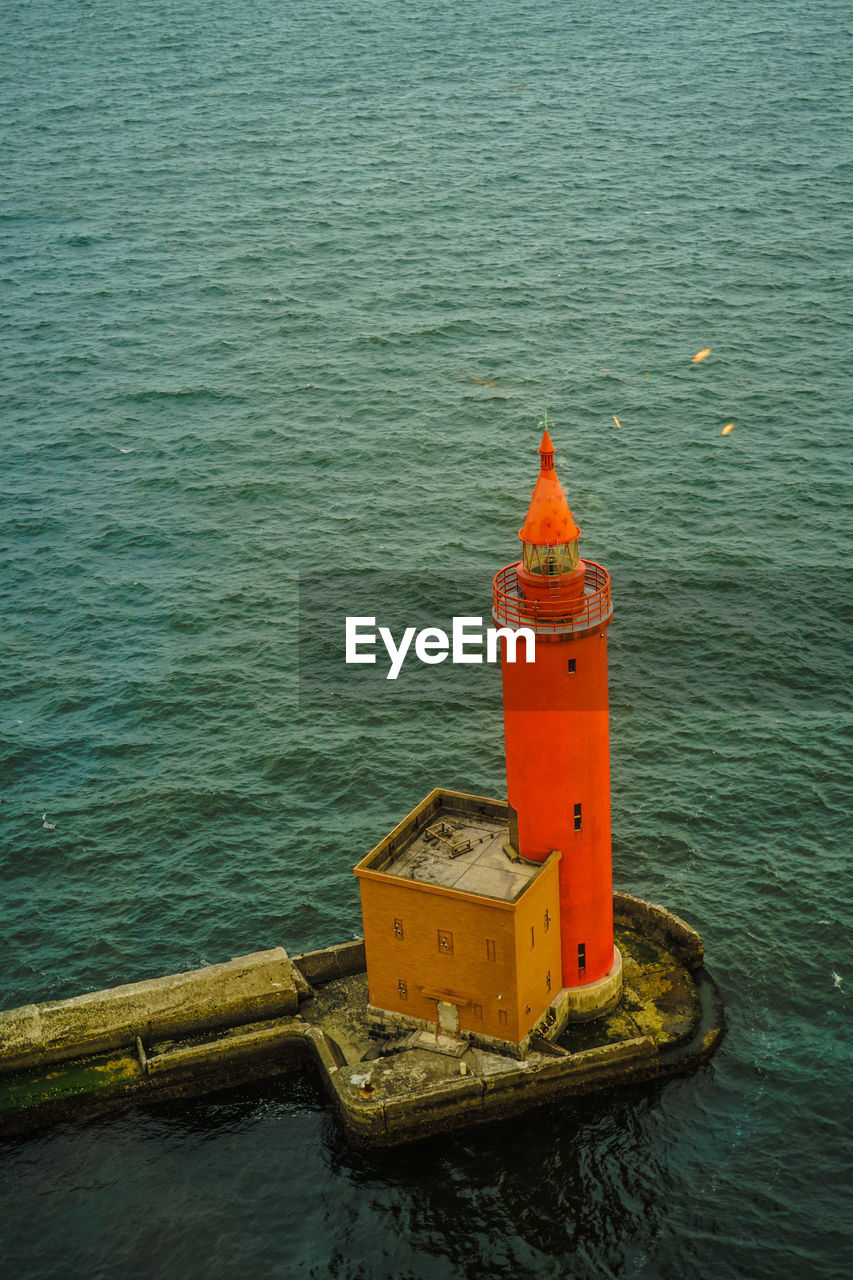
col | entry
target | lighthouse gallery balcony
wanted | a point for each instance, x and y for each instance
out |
(563, 612)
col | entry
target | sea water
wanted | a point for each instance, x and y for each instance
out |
(285, 291)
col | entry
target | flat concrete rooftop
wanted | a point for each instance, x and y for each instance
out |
(462, 851)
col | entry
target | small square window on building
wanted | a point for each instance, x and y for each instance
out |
(578, 817)
(445, 942)
(398, 928)
(581, 955)
(403, 989)
(502, 1017)
(572, 666)
(478, 1012)
(490, 949)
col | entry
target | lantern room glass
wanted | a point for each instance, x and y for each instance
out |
(550, 561)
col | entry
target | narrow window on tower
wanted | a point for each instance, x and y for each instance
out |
(478, 1012)
(548, 980)
(578, 819)
(490, 949)
(547, 920)
(581, 956)
(572, 666)
(398, 928)
(445, 942)
(403, 989)
(502, 1017)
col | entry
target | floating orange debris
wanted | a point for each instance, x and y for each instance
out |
(616, 420)
(701, 355)
(730, 426)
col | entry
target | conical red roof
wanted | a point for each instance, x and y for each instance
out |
(549, 519)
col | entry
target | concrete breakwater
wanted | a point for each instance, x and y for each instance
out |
(667, 929)
(261, 1015)
(243, 990)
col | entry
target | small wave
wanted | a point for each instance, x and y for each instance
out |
(198, 394)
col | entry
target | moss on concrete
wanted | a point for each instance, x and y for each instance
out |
(659, 999)
(340, 1008)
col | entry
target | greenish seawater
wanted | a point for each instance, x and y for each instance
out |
(285, 289)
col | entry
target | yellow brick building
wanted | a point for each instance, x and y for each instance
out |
(460, 936)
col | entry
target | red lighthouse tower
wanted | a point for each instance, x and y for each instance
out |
(556, 731)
